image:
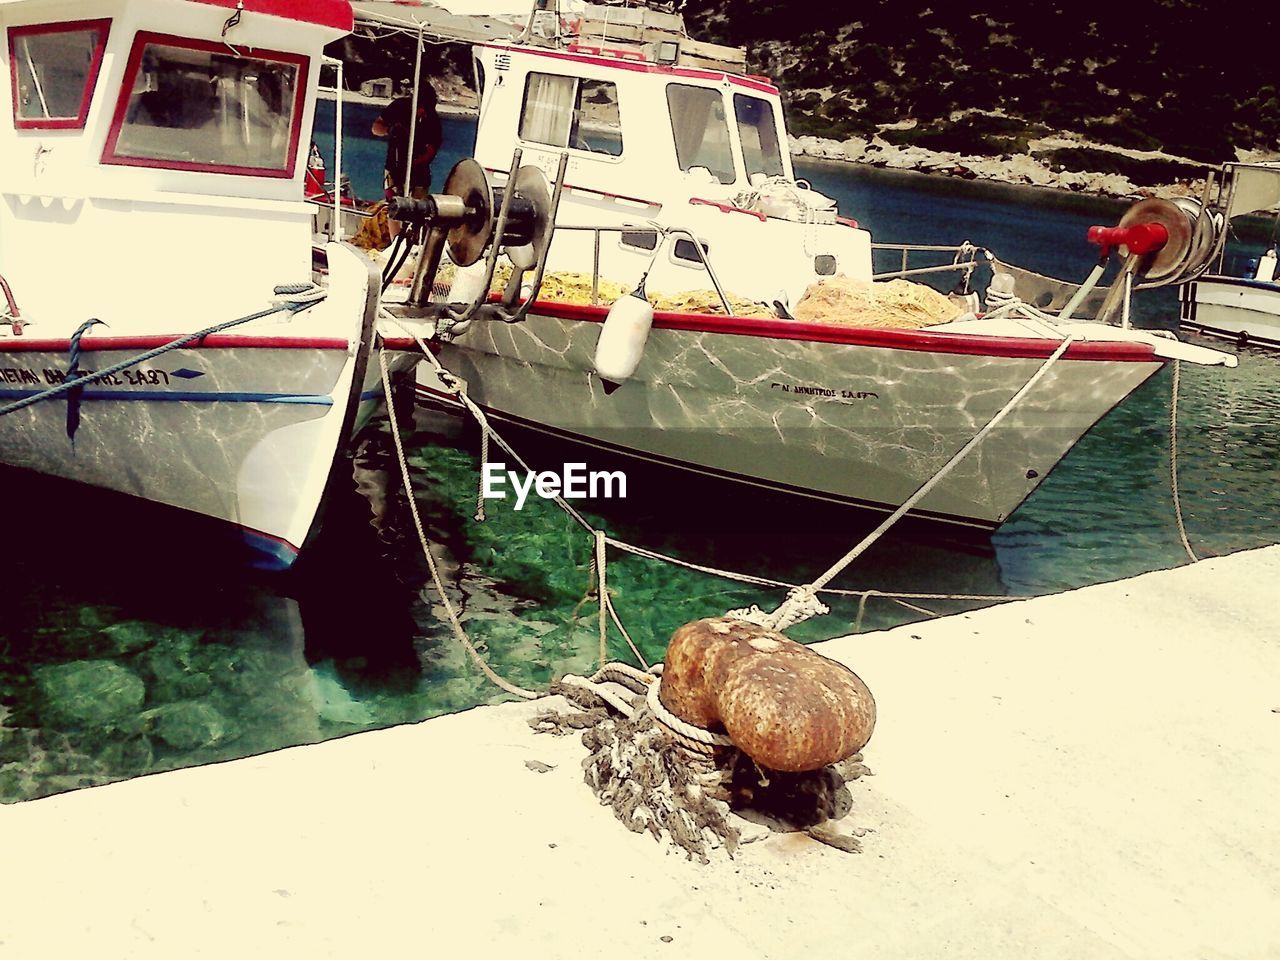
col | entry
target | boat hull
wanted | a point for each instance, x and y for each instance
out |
(1238, 309)
(854, 416)
(243, 427)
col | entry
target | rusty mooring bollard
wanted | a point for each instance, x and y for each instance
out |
(785, 706)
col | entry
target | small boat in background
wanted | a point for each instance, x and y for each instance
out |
(1239, 298)
(153, 190)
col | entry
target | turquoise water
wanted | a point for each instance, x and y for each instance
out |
(126, 647)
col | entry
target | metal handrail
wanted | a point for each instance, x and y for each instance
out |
(908, 248)
(665, 232)
(917, 271)
(924, 248)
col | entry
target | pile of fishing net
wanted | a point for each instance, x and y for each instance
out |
(842, 301)
(839, 301)
(566, 286)
(708, 301)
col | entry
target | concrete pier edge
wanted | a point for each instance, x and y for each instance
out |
(1091, 774)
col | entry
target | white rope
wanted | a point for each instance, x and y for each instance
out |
(753, 613)
(1173, 461)
(603, 589)
(454, 622)
(484, 463)
(604, 693)
(617, 622)
(600, 562)
(638, 681)
(685, 730)
(794, 608)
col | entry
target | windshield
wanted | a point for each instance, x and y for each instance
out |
(759, 135)
(701, 130)
(53, 68)
(197, 106)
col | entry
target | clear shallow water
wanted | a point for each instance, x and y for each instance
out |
(126, 647)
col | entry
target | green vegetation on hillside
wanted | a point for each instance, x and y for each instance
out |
(1153, 74)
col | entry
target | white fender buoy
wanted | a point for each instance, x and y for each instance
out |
(523, 258)
(622, 338)
(468, 283)
(1266, 267)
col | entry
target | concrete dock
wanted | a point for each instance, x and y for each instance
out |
(1089, 775)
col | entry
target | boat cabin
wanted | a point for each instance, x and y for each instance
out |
(153, 157)
(674, 133)
(651, 137)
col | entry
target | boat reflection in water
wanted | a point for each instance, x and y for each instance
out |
(120, 660)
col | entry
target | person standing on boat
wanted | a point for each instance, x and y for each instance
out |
(394, 123)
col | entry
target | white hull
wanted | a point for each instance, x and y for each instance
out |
(1237, 309)
(865, 419)
(243, 427)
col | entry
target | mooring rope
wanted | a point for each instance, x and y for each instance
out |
(1173, 461)
(602, 585)
(456, 388)
(801, 602)
(454, 622)
(294, 305)
(686, 731)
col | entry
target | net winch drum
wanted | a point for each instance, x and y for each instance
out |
(472, 217)
(1171, 241)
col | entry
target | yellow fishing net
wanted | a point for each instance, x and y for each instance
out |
(575, 288)
(838, 301)
(708, 301)
(842, 301)
(374, 232)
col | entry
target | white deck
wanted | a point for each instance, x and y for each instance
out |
(1095, 774)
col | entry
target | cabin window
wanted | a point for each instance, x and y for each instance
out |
(824, 265)
(54, 67)
(573, 113)
(640, 239)
(701, 130)
(193, 105)
(686, 251)
(759, 136)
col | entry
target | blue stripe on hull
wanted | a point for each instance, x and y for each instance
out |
(318, 400)
(268, 553)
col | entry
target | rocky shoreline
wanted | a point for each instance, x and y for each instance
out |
(1019, 169)
(1015, 169)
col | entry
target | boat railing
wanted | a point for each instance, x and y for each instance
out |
(663, 232)
(965, 258)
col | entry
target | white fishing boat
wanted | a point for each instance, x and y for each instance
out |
(676, 173)
(1239, 297)
(153, 189)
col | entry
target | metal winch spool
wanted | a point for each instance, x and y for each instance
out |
(1162, 242)
(472, 217)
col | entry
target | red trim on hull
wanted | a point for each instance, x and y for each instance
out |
(918, 340)
(213, 342)
(325, 13)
